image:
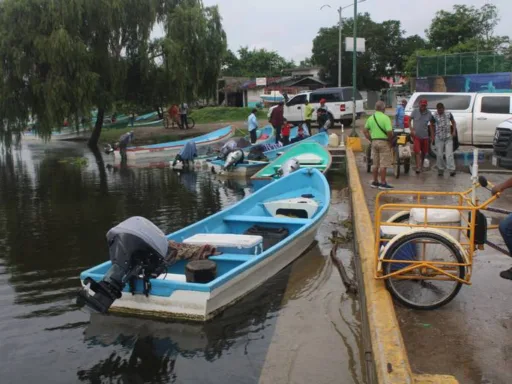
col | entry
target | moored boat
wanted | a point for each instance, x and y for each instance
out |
(257, 237)
(163, 149)
(303, 155)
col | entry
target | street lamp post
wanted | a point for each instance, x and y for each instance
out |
(340, 43)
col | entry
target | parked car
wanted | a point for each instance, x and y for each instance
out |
(477, 114)
(338, 100)
(502, 146)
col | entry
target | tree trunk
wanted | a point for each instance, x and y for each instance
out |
(95, 136)
(101, 169)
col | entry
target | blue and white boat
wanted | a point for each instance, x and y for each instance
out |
(320, 138)
(258, 236)
(246, 168)
(163, 149)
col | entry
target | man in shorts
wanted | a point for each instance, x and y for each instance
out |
(379, 131)
(420, 119)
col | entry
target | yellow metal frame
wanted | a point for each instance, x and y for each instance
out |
(429, 270)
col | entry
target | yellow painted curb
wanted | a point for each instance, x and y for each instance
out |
(388, 348)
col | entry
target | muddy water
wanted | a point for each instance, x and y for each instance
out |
(54, 214)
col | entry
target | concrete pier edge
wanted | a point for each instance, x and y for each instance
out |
(388, 348)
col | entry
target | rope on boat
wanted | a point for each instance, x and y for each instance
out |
(350, 285)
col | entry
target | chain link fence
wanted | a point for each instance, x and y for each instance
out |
(462, 64)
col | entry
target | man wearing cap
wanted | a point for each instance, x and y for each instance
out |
(400, 114)
(277, 120)
(420, 119)
(322, 113)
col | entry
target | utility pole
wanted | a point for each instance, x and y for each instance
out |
(340, 48)
(354, 73)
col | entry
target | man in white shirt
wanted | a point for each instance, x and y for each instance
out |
(183, 115)
(252, 125)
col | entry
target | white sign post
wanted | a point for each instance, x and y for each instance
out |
(261, 81)
(360, 44)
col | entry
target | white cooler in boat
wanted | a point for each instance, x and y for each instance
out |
(450, 217)
(230, 243)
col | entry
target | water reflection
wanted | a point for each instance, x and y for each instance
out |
(54, 215)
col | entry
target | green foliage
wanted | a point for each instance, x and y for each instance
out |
(224, 114)
(61, 58)
(387, 51)
(255, 63)
(454, 39)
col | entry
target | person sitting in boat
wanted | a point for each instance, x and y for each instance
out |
(187, 154)
(257, 154)
(300, 135)
(285, 132)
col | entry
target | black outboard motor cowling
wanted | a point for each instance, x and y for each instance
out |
(137, 248)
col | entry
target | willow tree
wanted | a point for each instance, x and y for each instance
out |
(59, 58)
(192, 50)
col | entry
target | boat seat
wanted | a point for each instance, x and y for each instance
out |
(266, 219)
(231, 257)
(172, 277)
(390, 231)
(309, 159)
(227, 240)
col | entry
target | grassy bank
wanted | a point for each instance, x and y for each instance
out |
(224, 114)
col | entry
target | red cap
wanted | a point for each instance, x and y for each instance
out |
(322, 101)
(423, 102)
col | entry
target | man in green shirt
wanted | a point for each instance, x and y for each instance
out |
(308, 114)
(379, 131)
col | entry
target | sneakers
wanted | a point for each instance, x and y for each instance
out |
(374, 184)
(386, 186)
(452, 174)
(507, 274)
(440, 173)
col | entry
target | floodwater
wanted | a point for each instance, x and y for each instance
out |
(300, 326)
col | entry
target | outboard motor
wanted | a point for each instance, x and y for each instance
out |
(137, 248)
(234, 157)
(288, 167)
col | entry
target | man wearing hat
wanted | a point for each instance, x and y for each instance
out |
(277, 119)
(420, 121)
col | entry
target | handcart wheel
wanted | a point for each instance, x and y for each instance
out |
(400, 217)
(407, 165)
(397, 162)
(369, 158)
(423, 293)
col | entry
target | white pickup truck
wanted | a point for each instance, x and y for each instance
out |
(338, 100)
(477, 114)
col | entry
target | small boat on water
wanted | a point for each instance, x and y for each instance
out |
(246, 168)
(149, 123)
(163, 149)
(256, 238)
(320, 138)
(303, 155)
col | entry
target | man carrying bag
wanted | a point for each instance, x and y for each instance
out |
(379, 131)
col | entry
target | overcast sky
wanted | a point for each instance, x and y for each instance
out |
(289, 26)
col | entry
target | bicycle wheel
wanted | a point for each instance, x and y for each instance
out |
(407, 165)
(191, 123)
(423, 293)
(369, 158)
(396, 162)
(400, 217)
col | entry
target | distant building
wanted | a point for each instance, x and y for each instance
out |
(245, 92)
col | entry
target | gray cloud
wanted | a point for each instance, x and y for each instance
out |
(289, 26)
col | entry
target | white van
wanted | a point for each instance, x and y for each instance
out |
(338, 100)
(477, 114)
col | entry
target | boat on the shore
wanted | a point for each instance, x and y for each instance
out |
(256, 237)
(164, 149)
(306, 154)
